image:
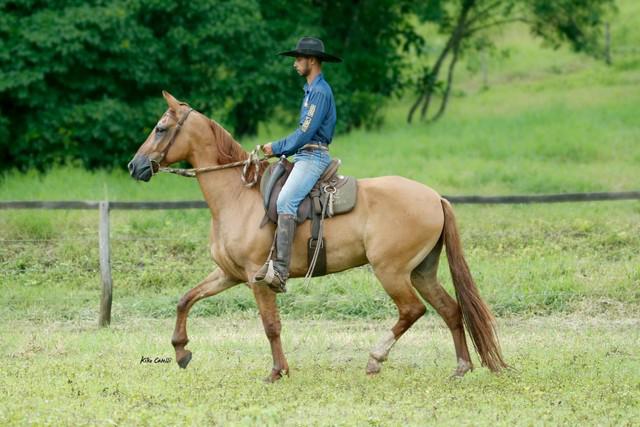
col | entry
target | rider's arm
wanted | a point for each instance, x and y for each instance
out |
(310, 121)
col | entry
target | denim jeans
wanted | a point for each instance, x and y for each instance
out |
(307, 169)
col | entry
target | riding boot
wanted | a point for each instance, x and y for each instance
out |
(284, 242)
(275, 272)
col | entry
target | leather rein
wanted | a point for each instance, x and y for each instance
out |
(253, 159)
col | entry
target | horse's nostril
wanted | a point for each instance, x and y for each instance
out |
(131, 167)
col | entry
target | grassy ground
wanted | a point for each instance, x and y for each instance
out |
(526, 259)
(69, 373)
(564, 278)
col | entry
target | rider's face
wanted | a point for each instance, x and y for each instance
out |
(302, 66)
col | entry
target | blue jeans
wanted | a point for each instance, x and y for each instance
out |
(307, 169)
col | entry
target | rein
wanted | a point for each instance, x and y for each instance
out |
(253, 159)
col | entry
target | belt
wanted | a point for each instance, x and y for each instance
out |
(316, 146)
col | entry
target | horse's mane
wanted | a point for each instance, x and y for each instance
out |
(229, 150)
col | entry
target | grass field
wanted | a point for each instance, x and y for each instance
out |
(564, 279)
(69, 373)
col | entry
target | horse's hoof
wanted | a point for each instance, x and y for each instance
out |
(275, 376)
(373, 366)
(184, 360)
(463, 368)
(271, 379)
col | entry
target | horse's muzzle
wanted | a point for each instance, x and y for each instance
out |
(140, 168)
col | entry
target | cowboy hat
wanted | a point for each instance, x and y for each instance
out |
(310, 46)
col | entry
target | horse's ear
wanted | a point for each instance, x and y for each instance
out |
(173, 103)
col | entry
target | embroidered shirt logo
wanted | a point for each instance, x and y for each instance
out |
(307, 120)
(305, 124)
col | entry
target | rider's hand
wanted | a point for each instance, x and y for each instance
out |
(266, 148)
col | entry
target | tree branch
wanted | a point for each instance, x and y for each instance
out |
(471, 31)
(481, 13)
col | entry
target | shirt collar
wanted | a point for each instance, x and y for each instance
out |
(307, 87)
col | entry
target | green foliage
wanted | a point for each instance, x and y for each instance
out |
(468, 25)
(577, 22)
(81, 81)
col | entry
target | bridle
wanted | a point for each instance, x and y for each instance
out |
(254, 159)
(155, 163)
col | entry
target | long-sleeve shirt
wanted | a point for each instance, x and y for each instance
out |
(317, 119)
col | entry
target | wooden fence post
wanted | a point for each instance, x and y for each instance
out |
(105, 265)
(607, 44)
(485, 73)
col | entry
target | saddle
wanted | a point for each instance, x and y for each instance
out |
(332, 195)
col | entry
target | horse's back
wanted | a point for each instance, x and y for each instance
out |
(403, 192)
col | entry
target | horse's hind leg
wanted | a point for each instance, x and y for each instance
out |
(410, 309)
(425, 279)
(215, 283)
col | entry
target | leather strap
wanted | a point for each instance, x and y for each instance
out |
(175, 134)
(317, 146)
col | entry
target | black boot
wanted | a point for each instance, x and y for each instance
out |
(275, 272)
(284, 241)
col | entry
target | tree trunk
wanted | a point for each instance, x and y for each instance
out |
(447, 92)
(431, 79)
(414, 106)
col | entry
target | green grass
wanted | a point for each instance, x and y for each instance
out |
(69, 373)
(526, 259)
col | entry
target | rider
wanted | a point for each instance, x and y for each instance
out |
(310, 145)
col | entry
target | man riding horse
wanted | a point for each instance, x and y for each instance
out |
(398, 226)
(310, 145)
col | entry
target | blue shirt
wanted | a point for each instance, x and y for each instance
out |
(317, 119)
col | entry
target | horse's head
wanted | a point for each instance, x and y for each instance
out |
(166, 143)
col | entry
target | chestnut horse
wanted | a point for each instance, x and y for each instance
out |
(398, 227)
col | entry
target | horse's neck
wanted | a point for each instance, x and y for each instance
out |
(224, 192)
(223, 189)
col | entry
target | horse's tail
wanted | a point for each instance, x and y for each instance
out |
(477, 316)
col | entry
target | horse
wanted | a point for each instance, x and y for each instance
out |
(398, 227)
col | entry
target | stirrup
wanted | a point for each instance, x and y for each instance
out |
(268, 275)
(259, 276)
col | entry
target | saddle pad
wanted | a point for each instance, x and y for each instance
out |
(344, 198)
(346, 194)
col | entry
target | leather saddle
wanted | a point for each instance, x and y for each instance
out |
(333, 194)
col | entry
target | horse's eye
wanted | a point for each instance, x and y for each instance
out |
(160, 129)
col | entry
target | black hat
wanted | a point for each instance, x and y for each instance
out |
(310, 46)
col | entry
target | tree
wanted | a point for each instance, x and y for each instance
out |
(80, 81)
(576, 22)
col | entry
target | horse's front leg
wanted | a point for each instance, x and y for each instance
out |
(268, 307)
(215, 283)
